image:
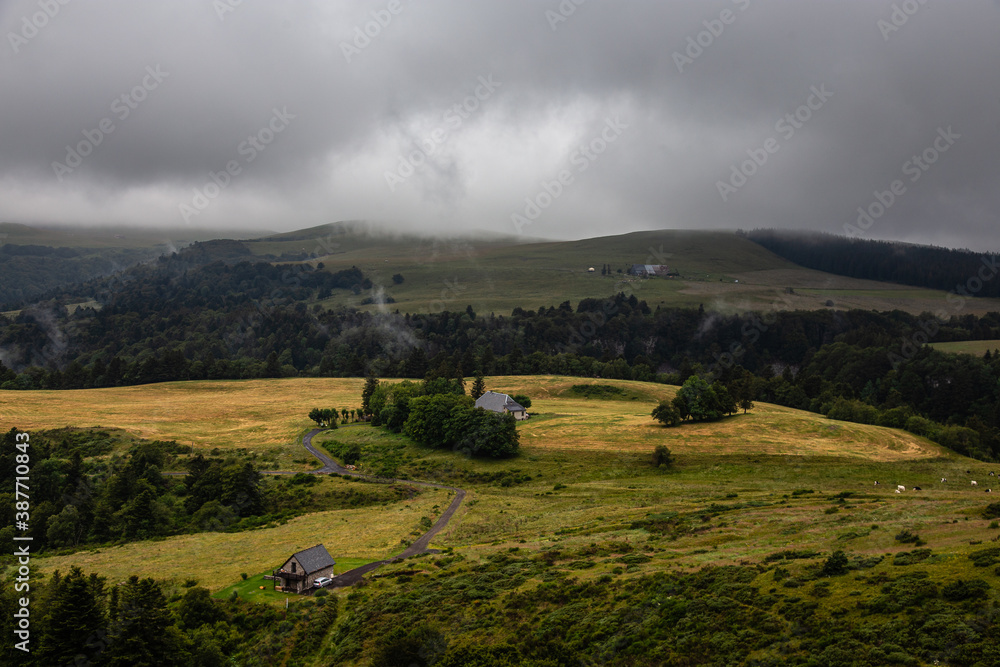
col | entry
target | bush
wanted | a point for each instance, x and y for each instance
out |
(522, 400)
(959, 439)
(667, 414)
(921, 426)
(835, 565)
(243, 576)
(992, 511)
(662, 457)
(960, 590)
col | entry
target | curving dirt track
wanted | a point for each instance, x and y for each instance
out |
(419, 546)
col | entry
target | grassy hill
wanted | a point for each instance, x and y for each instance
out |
(773, 477)
(976, 348)
(718, 269)
(580, 536)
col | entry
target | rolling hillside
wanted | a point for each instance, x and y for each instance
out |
(593, 452)
(719, 270)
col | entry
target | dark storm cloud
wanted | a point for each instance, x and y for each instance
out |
(495, 115)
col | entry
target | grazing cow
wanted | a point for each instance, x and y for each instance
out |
(917, 488)
(944, 479)
(901, 488)
(975, 483)
(876, 482)
(991, 474)
(898, 491)
(988, 491)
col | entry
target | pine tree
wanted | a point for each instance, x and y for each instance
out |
(478, 386)
(75, 623)
(371, 384)
(141, 631)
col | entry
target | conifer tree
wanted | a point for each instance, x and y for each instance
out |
(478, 386)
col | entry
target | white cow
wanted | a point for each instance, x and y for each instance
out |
(975, 483)
(944, 479)
(898, 491)
(901, 488)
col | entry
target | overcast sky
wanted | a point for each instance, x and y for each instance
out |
(542, 118)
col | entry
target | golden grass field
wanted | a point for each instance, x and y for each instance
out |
(974, 347)
(218, 559)
(588, 461)
(270, 415)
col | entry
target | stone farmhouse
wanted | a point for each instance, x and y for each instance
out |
(491, 400)
(303, 568)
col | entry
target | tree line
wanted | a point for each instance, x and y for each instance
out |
(962, 271)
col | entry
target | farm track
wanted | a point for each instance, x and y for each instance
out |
(420, 546)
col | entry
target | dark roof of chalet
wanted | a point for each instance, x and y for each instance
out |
(314, 558)
(491, 400)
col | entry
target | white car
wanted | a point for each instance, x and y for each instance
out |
(322, 581)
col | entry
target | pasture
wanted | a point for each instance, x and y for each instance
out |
(976, 348)
(740, 489)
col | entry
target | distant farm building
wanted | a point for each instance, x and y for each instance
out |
(649, 270)
(303, 568)
(495, 402)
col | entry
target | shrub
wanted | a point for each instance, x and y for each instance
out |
(992, 511)
(836, 564)
(667, 414)
(522, 400)
(985, 557)
(662, 457)
(243, 576)
(960, 590)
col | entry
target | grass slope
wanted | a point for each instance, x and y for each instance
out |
(499, 274)
(974, 347)
(737, 492)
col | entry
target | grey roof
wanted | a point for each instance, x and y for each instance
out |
(314, 558)
(491, 400)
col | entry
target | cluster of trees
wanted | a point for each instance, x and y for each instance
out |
(328, 417)
(697, 400)
(78, 499)
(80, 619)
(921, 266)
(437, 413)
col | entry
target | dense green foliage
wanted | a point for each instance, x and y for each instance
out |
(476, 615)
(78, 500)
(697, 400)
(922, 266)
(27, 272)
(436, 413)
(83, 620)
